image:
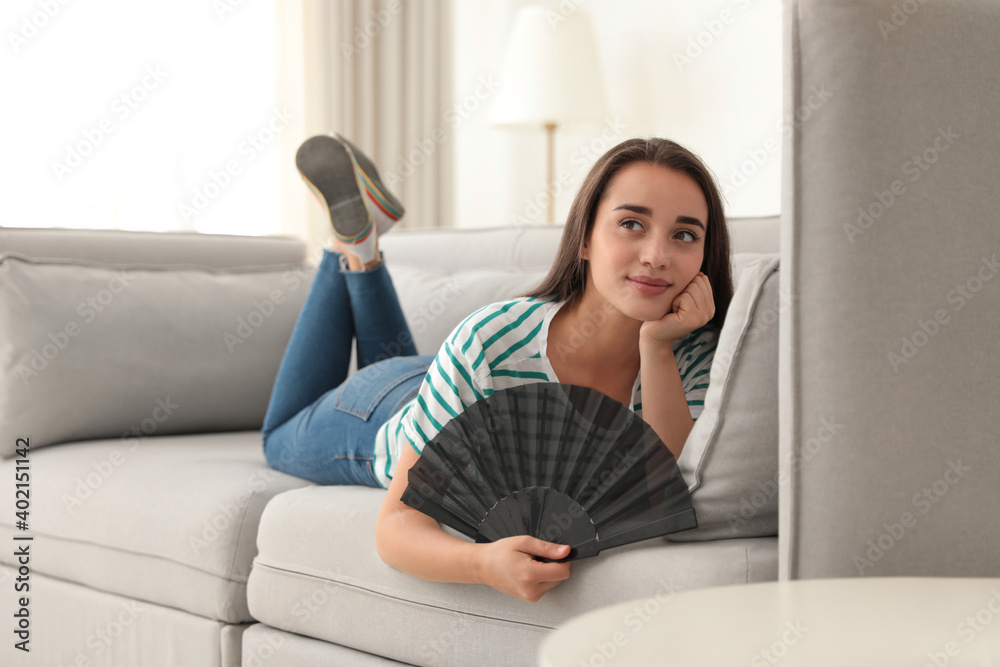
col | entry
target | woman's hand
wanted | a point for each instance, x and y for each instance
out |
(509, 566)
(691, 309)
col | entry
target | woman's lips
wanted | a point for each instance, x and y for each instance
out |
(648, 288)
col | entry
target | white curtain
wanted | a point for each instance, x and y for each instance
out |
(378, 72)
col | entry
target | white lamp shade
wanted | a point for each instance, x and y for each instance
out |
(551, 73)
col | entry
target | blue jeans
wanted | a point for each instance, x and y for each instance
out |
(318, 426)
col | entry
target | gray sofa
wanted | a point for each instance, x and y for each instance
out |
(161, 537)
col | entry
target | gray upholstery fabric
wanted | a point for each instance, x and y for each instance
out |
(730, 459)
(76, 625)
(436, 300)
(170, 520)
(96, 350)
(264, 646)
(117, 247)
(317, 573)
(531, 248)
(890, 238)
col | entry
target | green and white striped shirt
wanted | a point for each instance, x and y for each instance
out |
(499, 346)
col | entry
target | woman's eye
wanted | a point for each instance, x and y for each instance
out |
(689, 233)
(628, 221)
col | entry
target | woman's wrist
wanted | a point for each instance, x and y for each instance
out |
(475, 565)
(655, 349)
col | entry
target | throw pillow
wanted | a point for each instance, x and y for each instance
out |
(730, 459)
(90, 350)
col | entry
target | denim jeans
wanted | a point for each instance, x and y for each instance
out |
(318, 426)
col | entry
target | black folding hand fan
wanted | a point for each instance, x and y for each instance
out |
(561, 462)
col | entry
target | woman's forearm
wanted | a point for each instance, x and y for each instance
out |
(414, 543)
(664, 404)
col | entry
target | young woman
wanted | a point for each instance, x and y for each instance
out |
(632, 308)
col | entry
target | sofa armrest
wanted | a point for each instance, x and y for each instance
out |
(890, 235)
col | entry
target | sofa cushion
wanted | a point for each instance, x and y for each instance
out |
(730, 459)
(435, 301)
(317, 573)
(92, 350)
(169, 520)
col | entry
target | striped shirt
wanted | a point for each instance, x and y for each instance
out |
(499, 346)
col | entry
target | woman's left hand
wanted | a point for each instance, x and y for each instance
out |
(691, 309)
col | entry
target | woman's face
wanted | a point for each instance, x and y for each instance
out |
(648, 240)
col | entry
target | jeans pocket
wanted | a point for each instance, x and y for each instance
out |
(362, 393)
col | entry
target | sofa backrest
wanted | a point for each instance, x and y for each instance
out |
(125, 247)
(443, 275)
(890, 234)
(533, 248)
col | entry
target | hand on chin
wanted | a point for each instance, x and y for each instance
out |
(692, 308)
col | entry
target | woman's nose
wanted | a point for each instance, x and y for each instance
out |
(656, 253)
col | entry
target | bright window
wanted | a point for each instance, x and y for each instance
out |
(144, 116)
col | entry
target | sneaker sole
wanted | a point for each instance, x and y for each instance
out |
(327, 168)
(384, 199)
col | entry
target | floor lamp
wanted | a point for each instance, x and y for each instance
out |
(551, 78)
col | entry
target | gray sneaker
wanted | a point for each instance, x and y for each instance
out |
(353, 194)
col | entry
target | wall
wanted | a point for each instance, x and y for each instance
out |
(706, 74)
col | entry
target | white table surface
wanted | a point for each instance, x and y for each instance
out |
(861, 622)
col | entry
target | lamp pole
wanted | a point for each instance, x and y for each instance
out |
(550, 179)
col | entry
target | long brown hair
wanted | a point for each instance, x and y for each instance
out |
(567, 279)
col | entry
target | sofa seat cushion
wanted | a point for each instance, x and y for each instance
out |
(317, 573)
(170, 520)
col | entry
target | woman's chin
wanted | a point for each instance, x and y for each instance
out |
(639, 307)
(645, 312)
